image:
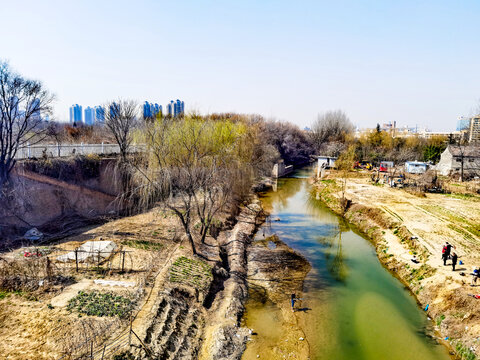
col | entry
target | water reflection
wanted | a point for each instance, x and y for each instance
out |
(334, 255)
(358, 310)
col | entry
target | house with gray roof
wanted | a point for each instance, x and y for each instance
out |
(457, 156)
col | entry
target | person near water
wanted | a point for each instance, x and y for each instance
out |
(475, 275)
(292, 300)
(454, 260)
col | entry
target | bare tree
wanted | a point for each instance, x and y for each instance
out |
(331, 126)
(56, 132)
(121, 118)
(22, 102)
(344, 164)
(293, 145)
(192, 168)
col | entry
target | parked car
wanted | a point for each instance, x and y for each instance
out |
(363, 165)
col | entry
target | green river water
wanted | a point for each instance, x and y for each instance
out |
(355, 309)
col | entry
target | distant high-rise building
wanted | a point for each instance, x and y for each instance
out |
(170, 108)
(114, 110)
(14, 107)
(474, 131)
(35, 110)
(176, 108)
(463, 123)
(157, 109)
(89, 116)
(147, 110)
(151, 110)
(99, 114)
(76, 116)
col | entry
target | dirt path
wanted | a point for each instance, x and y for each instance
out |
(435, 219)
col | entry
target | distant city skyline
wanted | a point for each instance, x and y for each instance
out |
(412, 62)
(91, 116)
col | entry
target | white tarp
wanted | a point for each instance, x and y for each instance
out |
(91, 251)
(114, 283)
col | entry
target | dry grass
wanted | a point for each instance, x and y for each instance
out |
(33, 329)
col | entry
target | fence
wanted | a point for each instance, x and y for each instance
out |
(63, 261)
(63, 150)
(123, 342)
(99, 261)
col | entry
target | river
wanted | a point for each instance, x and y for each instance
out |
(352, 307)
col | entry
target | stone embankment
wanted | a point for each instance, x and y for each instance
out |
(225, 338)
(401, 225)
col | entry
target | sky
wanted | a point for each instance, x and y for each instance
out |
(413, 62)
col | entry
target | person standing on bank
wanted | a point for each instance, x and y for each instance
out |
(449, 248)
(475, 275)
(444, 255)
(454, 260)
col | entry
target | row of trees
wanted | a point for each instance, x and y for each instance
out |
(333, 133)
(197, 166)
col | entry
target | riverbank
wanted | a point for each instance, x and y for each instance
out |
(180, 299)
(402, 225)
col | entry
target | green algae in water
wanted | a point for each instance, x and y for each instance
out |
(356, 309)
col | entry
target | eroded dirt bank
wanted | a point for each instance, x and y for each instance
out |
(224, 337)
(402, 225)
(55, 195)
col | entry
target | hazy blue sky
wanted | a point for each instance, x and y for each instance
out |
(416, 62)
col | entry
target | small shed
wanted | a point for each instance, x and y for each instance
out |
(416, 167)
(326, 162)
(387, 164)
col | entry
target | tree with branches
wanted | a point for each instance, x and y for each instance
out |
(331, 127)
(195, 167)
(22, 102)
(121, 118)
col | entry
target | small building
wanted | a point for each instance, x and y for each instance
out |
(451, 161)
(280, 169)
(326, 162)
(416, 167)
(474, 129)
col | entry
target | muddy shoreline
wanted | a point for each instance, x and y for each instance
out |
(275, 271)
